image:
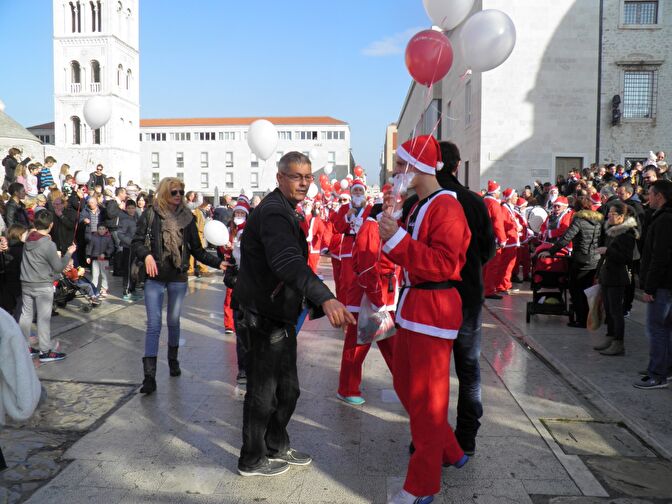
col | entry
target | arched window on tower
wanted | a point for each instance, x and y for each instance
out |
(94, 18)
(100, 16)
(120, 71)
(75, 77)
(96, 136)
(119, 7)
(95, 77)
(129, 76)
(76, 130)
(73, 15)
(79, 17)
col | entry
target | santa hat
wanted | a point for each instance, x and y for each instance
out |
(386, 188)
(596, 199)
(242, 204)
(493, 187)
(521, 202)
(554, 189)
(561, 201)
(358, 183)
(344, 194)
(508, 192)
(423, 153)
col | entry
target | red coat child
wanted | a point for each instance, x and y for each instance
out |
(491, 269)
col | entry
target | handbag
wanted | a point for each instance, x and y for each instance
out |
(138, 270)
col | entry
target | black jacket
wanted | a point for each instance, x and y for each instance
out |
(112, 213)
(274, 276)
(584, 232)
(95, 180)
(482, 245)
(63, 232)
(656, 266)
(621, 244)
(127, 226)
(638, 209)
(15, 213)
(10, 164)
(191, 246)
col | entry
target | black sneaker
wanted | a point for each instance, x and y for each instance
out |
(293, 457)
(648, 383)
(270, 468)
(51, 356)
(34, 352)
(241, 378)
(494, 296)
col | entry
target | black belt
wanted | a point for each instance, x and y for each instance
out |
(430, 286)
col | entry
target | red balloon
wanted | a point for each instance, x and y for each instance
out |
(337, 186)
(359, 171)
(327, 194)
(324, 184)
(429, 57)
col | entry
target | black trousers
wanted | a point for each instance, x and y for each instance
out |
(613, 306)
(127, 281)
(630, 289)
(578, 282)
(272, 389)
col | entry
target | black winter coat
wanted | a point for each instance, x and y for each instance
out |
(63, 232)
(621, 241)
(584, 232)
(191, 246)
(10, 164)
(15, 213)
(656, 265)
(274, 276)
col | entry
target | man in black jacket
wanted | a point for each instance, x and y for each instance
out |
(656, 279)
(273, 280)
(15, 210)
(467, 346)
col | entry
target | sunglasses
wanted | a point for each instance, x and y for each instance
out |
(175, 192)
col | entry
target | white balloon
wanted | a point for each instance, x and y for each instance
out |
(349, 176)
(216, 233)
(487, 38)
(333, 181)
(328, 169)
(345, 183)
(262, 137)
(314, 155)
(447, 13)
(97, 111)
(81, 178)
(312, 191)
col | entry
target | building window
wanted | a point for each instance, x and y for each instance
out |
(96, 136)
(640, 12)
(120, 71)
(227, 135)
(180, 137)
(93, 16)
(228, 159)
(76, 13)
(155, 159)
(204, 180)
(157, 137)
(331, 158)
(100, 16)
(180, 175)
(639, 94)
(179, 159)
(254, 161)
(228, 180)
(206, 135)
(76, 130)
(278, 155)
(431, 119)
(306, 135)
(155, 179)
(254, 180)
(447, 122)
(141, 137)
(284, 135)
(204, 159)
(95, 76)
(129, 76)
(73, 15)
(467, 104)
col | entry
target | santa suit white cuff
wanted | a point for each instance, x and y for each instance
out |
(394, 240)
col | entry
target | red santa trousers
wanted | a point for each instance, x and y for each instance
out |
(523, 261)
(353, 358)
(506, 263)
(228, 312)
(346, 277)
(336, 268)
(422, 382)
(314, 261)
(490, 270)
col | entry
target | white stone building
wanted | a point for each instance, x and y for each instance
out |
(538, 114)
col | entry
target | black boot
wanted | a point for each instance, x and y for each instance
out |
(149, 367)
(173, 363)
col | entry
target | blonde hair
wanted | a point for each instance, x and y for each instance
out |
(30, 203)
(65, 169)
(55, 194)
(20, 170)
(163, 193)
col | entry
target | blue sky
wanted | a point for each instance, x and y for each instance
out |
(218, 58)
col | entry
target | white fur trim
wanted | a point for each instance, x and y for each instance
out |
(406, 156)
(437, 332)
(394, 240)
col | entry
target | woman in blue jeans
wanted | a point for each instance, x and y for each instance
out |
(165, 239)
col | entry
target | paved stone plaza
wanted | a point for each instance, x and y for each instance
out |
(562, 424)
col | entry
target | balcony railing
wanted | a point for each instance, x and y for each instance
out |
(95, 87)
(76, 87)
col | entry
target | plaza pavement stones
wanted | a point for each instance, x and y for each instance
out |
(181, 444)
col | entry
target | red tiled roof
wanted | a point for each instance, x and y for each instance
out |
(42, 126)
(238, 121)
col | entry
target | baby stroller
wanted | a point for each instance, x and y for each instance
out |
(550, 285)
(66, 289)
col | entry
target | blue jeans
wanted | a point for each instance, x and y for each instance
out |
(659, 332)
(467, 352)
(154, 291)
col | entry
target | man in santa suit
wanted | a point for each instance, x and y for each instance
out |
(511, 228)
(378, 278)
(315, 231)
(491, 268)
(431, 248)
(523, 259)
(557, 222)
(349, 219)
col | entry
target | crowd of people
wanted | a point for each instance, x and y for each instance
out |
(424, 252)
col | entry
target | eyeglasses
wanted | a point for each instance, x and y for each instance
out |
(175, 192)
(297, 177)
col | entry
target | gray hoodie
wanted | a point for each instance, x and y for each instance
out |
(41, 264)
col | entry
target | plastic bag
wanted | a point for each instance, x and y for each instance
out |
(595, 307)
(373, 325)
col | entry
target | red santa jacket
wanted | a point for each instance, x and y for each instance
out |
(348, 227)
(315, 234)
(511, 226)
(495, 214)
(433, 251)
(377, 276)
(551, 232)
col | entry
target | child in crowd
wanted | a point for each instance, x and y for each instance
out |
(10, 294)
(31, 179)
(39, 266)
(98, 251)
(76, 276)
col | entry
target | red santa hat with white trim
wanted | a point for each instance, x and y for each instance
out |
(561, 200)
(493, 187)
(423, 153)
(508, 192)
(358, 182)
(242, 204)
(345, 194)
